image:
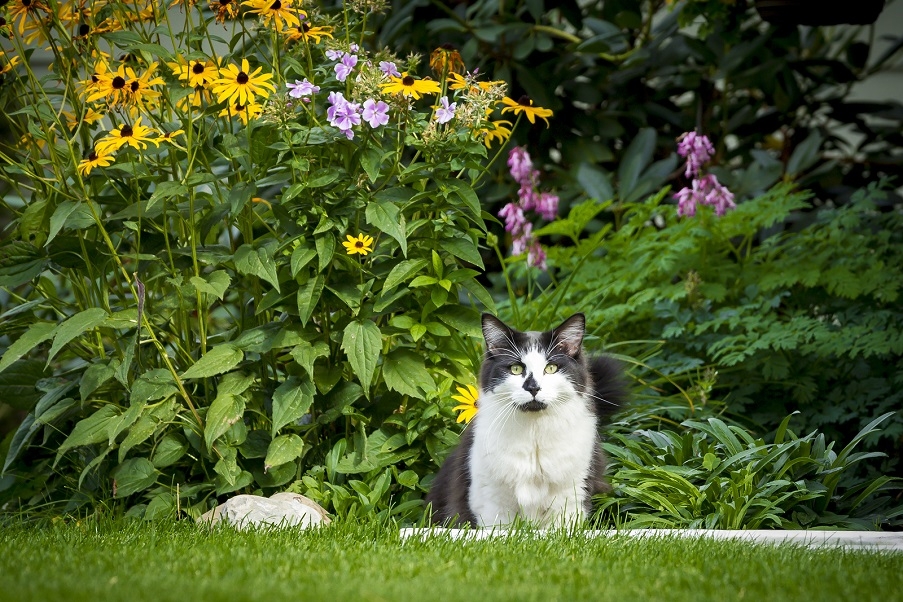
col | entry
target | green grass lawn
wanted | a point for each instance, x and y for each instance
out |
(165, 561)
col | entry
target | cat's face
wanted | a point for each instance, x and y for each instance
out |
(533, 371)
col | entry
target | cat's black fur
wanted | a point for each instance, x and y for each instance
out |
(604, 382)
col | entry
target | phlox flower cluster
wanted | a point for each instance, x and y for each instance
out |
(704, 189)
(529, 198)
(344, 114)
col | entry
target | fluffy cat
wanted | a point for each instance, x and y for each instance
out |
(533, 449)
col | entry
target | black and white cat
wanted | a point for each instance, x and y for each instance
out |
(533, 449)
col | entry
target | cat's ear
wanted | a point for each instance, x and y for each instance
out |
(496, 333)
(568, 337)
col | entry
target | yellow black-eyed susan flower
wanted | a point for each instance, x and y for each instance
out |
(195, 73)
(136, 136)
(495, 130)
(305, 32)
(467, 398)
(525, 105)
(224, 9)
(409, 86)
(280, 12)
(446, 59)
(242, 85)
(244, 112)
(361, 243)
(94, 159)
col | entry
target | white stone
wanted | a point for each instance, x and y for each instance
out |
(853, 540)
(281, 510)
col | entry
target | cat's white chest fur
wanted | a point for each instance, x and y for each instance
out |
(531, 464)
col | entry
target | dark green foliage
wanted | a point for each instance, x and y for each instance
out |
(714, 475)
(610, 69)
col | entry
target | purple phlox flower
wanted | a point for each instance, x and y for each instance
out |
(343, 114)
(697, 149)
(547, 206)
(536, 255)
(375, 113)
(389, 68)
(344, 67)
(354, 48)
(445, 112)
(334, 55)
(520, 165)
(299, 88)
(515, 220)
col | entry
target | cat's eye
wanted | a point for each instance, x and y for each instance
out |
(551, 368)
(516, 369)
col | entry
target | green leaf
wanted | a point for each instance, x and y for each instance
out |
(301, 256)
(132, 476)
(362, 343)
(225, 411)
(36, 334)
(216, 284)
(90, 430)
(405, 371)
(152, 385)
(387, 217)
(282, 449)
(595, 182)
(464, 248)
(402, 271)
(464, 192)
(805, 155)
(75, 326)
(59, 217)
(370, 161)
(166, 190)
(169, 450)
(17, 384)
(124, 421)
(308, 296)
(325, 251)
(256, 262)
(636, 158)
(217, 360)
(291, 400)
(306, 354)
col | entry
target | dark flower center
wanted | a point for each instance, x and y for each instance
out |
(94, 79)
(305, 27)
(92, 156)
(135, 85)
(242, 78)
(126, 131)
(118, 82)
(239, 108)
(225, 2)
(84, 29)
(276, 5)
(447, 46)
(408, 80)
(26, 3)
(359, 244)
(197, 68)
(524, 101)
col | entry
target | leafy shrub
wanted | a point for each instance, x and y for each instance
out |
(776, 99)
(181, 321)
(712, 475)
